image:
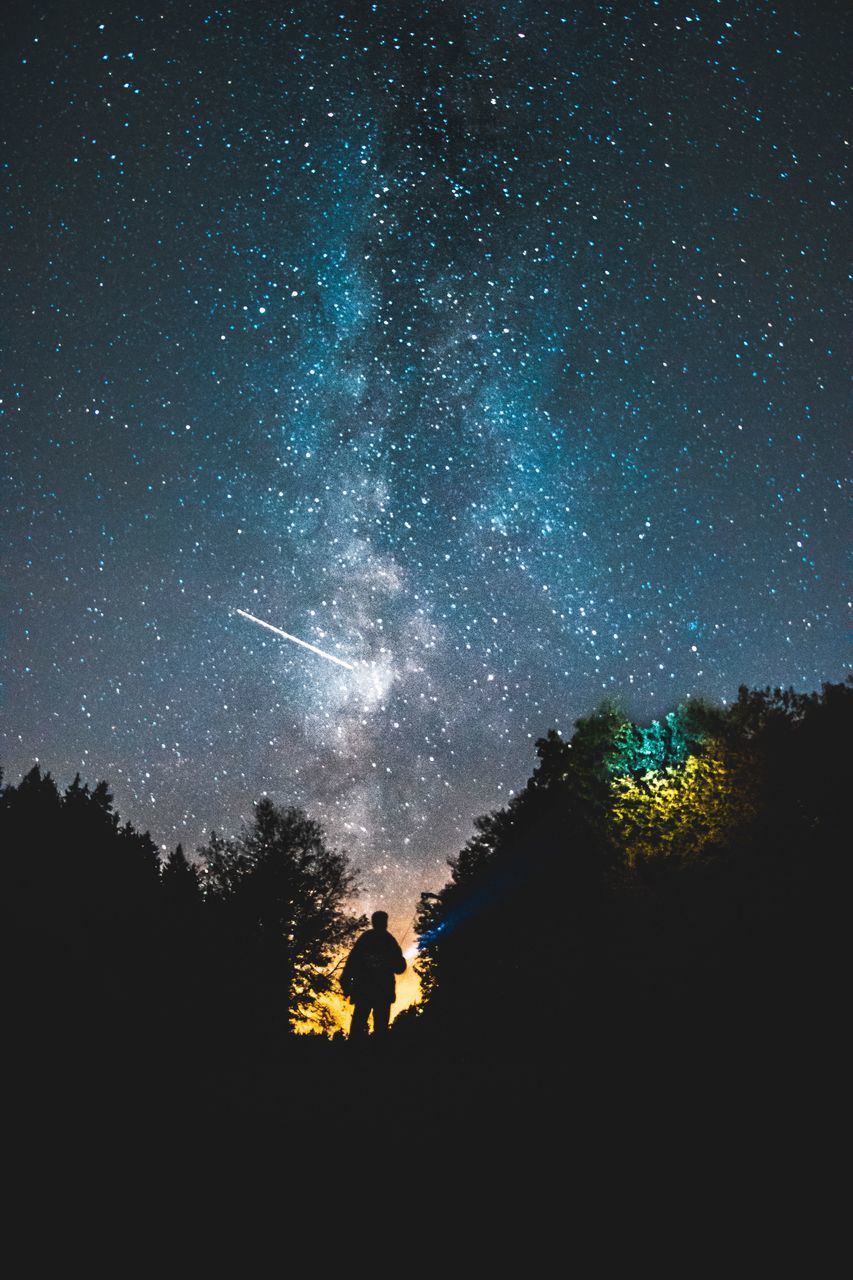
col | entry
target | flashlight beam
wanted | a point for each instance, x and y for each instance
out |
(285, 635)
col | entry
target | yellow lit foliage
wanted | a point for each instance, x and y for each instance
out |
(681, 809)
(331, 1012)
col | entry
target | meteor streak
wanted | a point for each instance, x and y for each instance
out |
(285, 635)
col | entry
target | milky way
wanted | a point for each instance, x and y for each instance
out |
(496, 349)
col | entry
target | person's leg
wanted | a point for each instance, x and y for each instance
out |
(381, 1017)
(358, 1023)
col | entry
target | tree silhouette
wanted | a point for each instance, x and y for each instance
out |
(659, 876)
(649, 886)
(282, 896)
(81, 914)
(181, 883)
(524, 892)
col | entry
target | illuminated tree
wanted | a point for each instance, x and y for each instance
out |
(679, 810)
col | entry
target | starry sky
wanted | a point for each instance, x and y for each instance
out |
(496, 349)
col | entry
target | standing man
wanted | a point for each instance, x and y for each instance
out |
(368, 977)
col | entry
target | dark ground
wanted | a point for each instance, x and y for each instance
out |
(711, 1149)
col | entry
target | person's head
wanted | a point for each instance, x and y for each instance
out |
(379, 919)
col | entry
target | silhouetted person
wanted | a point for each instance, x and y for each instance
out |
(368, 977)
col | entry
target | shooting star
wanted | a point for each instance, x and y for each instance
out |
(285, 635)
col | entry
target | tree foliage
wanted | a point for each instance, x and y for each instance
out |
(679, 784)
(640, 860)
(644, 872)
(283, 896)
(117, 946)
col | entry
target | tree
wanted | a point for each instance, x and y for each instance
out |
(524, 893)
(180, 881)
(674, 867)
(283, 895)
(681, 785)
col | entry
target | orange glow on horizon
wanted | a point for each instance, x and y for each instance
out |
(332, 1012)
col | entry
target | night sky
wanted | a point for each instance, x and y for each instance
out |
(497, 350)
